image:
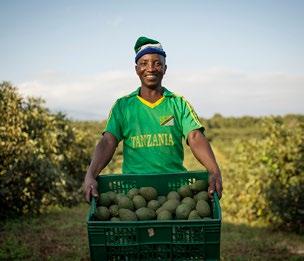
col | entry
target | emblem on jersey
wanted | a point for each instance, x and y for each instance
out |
(167, 120)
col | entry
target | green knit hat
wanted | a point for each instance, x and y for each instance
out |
(146, 45)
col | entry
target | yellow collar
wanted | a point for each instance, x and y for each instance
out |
(149, 104)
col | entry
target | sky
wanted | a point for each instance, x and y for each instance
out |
(231, 57)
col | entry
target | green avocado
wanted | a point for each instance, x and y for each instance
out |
(127, 215)
(199, 185)
(132, 192)
(111, 195)
(185, 191)
(203, 195)
(161, 199)
(153, 204)
(203, 208)
(145, 213)
(139, 201)
(114, 210)
(173, 195)
(194, 215)
(148, 193)
(190, 202)
(125, 202)
(164, 215)
(170, 205)
(104, 200)
(182, 211)
(102, 213)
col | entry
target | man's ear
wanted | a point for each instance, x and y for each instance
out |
(136, 69)
(165, 68)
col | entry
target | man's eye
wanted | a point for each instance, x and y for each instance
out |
(159, 65)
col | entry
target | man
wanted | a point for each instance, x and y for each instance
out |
(152, 121)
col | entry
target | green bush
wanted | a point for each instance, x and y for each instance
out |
(265, 177)
(43, 157)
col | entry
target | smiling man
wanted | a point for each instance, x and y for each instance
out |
(152, 123)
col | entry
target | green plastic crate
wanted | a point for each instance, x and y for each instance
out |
(154, 240)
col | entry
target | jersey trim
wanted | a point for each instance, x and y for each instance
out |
(150, 104)
(110, 115)
(193, 114)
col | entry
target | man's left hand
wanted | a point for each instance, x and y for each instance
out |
(215, 185)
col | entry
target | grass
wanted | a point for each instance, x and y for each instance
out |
(58, 235)
(243, 242)
(61, 235)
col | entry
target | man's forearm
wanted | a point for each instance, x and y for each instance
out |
(102, 155)
(201, 149)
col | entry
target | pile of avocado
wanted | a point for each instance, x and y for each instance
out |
(187, 203)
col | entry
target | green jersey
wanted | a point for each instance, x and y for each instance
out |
(152, 133)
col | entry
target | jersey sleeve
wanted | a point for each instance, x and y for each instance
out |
(190, 120)
(114, 122)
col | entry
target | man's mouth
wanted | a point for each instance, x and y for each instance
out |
(151, 77)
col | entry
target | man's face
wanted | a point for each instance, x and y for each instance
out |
(151, 68)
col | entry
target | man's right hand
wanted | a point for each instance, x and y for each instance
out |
(90, 188)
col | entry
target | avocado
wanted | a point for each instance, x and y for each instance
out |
(190, 202)
(104, 200)
(173, 195)
(127, 215)
(148, 193)
(203, 195)
(111, 195)
(185, 191)
(194, 215)
(159, 210)
(125, 202)
(145, 213)
(203, 208)
(153, 204)
(114, 210)
(132, 192)
(164, 215)
(139, 201)
(199, 185)
(102, 213)
(118, 196)
(170, 205)
(182, 211)
(161, 199)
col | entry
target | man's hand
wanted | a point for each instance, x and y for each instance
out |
(215, 185)
(90, 188)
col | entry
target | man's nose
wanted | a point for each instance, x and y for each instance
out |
(151, 67)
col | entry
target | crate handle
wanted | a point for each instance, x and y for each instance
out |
(93, 205)
(216, 199)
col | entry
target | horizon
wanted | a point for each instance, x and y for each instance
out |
(233, 58)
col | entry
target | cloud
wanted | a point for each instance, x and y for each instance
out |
(81, 97)
(237, 93)
(217, 90)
